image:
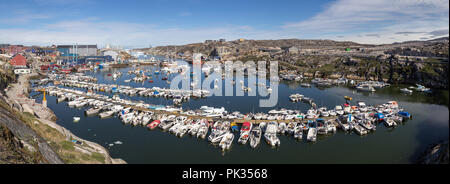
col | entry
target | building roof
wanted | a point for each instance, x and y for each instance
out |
(18, 60)
(78, 46)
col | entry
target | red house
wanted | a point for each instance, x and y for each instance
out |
(18, 60)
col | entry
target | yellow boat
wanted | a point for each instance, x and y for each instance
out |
(348, 98)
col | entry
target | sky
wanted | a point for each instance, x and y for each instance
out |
(144, 23)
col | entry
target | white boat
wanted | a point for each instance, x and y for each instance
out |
(76, 119)
(312, 132)
(217, 136)
(255, 136)
(271, 134)
(226, 141)
(93, 111)
(166, 124)
(366, 88)
(367, 124)
(339, 110)
(322, 127)
(298, 131)
(344, 125)
(181, 130)
(389, 122)
(62, 98)
(359, 129)
(202, 131)
(282, 128)
(291, 127)
(245, 132)
(106, 114)
(406, 90)
(362, 106)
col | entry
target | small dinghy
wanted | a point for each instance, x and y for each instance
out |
(76, 119)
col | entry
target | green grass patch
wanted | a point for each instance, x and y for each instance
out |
(99, 157)
(67, 145)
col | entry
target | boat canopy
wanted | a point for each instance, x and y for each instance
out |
(379, 115)
(320, 120)
(404, 113)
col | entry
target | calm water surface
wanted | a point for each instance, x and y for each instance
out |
(402, 144)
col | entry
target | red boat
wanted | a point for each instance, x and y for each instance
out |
(164, 78)
(109, 74)
(151, 81)
(153, 124)
(246, 126)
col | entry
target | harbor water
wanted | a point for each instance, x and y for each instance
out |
(402, 144)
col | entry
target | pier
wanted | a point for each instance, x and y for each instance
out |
(239, 121)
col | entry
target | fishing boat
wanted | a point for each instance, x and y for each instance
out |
(181, 130)
(226, 141)
(389, 122)
(365, 88)
(153, 124)
(359, 129)
(271, 134)
(217, 136)
(291, 127)
(106, 114)
(344, 122)
(298, 131)
(406, 90)
(405, 114)
(166, 124)
(312, 131)
(339, 110)
(203, 130)
(282, 128)
(194, 129)
(321, 127)
(93, 111)
(61, 98)
(362, 106)
(255, 136)
(245, 132)
(367, 124)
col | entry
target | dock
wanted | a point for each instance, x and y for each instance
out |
(239, 121)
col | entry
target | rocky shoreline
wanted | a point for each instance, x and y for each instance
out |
(17, 99)
(424, 62)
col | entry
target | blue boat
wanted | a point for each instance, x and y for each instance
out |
(379, 116)
(234, 127)
(404, 114)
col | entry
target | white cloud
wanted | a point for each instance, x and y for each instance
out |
(369, 21)
(376, 17)
(93, 31)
